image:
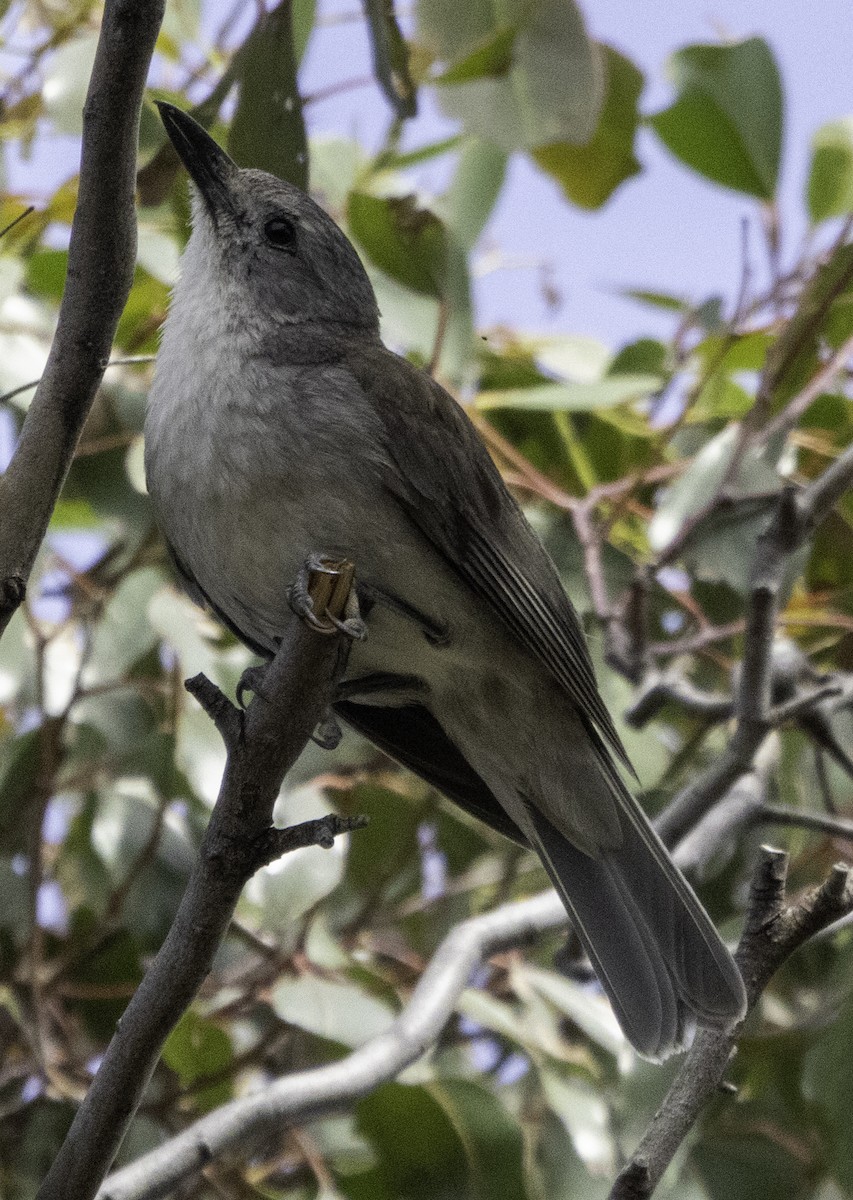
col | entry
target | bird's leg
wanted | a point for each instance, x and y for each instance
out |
(323, 585)
(323, 588)
(437, 633)
(352, 625)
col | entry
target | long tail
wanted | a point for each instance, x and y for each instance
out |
(652, 944)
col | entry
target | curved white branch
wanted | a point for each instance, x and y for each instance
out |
(324, 1089)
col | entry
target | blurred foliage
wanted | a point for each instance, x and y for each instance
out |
(107, 770)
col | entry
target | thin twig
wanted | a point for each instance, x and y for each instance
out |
(16, 220)
(819, 382)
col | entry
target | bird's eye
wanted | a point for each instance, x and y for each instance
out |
(281, 233)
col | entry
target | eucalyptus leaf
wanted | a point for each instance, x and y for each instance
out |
(589, 172)
(65, 82)
(405, 241)
(830, 185)
(268, 129)
(590, 1012)
(477, 183)
(339, 1012)
(576, 397)
(726, 122)
(196, 1048)
(551, 92)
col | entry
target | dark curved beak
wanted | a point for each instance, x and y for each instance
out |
(209, 167)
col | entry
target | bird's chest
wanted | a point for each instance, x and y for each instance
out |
(250, 473)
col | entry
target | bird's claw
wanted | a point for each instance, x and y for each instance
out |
(251, 680)
(328, 733)
(327, 586)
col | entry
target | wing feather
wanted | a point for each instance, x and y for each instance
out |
(469, 515)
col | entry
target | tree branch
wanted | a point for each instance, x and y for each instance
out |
(307, 1094)
(101, 260)
(773, 932)
(262, 743)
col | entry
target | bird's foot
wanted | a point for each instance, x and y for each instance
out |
(252, 680)
(328, 733)
(323, 588)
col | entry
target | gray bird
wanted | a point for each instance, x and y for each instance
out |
(279, 425)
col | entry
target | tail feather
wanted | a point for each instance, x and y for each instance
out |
(659, 958)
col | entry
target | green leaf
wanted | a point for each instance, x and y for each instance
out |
(589, 173)
(448, 1139)
(340, 1012)
(195, 1048)
(828, 1081)
(830, 186)
(73, 514)
(178, 621)
(46, 273)
(584, 1116)
(123, 633)
(336, 164)
(646, 356)
(742, 352)
(553, 89)
(699, 483)
(371, 869)
(658, 300)
(591, 1013)
(476, 185)
(66, 81)
(304, 12)
(419, 1153)
(113, 968)
(532, 1027)
(391, 57)
(20, 763)
(575, 357)
(491, 58)
(577, 397)
(492, 1139)
(289, 888)
(181, 23)
(397, 160)
(408, 243)
(268, 130)
(721, 399)
(727, 120)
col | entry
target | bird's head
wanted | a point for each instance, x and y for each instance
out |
(275, 251)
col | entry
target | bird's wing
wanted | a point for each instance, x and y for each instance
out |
(438, 469)
(411, 735)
